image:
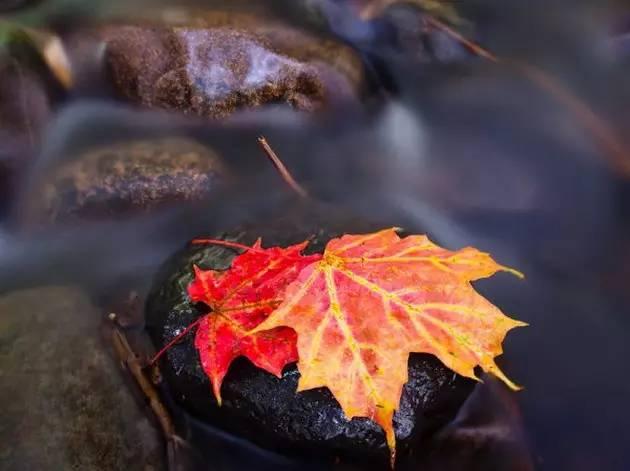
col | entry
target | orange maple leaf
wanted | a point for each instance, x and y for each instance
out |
(371, 301)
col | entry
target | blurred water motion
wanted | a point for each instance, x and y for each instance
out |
(469, 151)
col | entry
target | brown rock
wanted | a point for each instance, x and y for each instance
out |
(222, 62)
(65, 402)
(129, 177)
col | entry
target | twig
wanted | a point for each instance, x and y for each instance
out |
(613, 148)
(603, 134)
(374, 8)
(131, 362)
(286, 175)
(467, 43)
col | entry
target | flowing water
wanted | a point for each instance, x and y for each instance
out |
(466, 150)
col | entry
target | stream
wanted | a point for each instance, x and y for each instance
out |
(154, 143)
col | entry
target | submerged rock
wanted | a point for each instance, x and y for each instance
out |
(129, 177)
(267, 410)
(221, 62)
(66, 404)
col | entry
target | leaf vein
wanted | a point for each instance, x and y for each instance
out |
(347, 333)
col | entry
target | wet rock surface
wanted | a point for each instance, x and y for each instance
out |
(65, 404)
(266, 410)
(129, 177)
(217, 62)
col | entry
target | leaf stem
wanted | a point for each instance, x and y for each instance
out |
(236, 245)
(224, 243)
(175, 340)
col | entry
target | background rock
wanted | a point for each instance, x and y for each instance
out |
(25, 107)
(217, 62)
(129, 177)
(64, 402)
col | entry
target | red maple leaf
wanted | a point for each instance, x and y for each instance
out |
(240, 299)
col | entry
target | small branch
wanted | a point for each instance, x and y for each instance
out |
(467, 43)
(284, 173)
(374, 8)
(606, 137)
(613, 148)
(131, 362)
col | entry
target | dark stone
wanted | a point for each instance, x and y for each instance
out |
(128, 177)
(266, 410)
(221, 62)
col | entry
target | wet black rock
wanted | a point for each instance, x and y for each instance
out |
(266, 410)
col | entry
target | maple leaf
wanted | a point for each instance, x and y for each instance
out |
(371, 301)
(241, 298)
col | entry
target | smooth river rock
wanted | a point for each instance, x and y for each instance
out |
(266, 410)
(65, 403)
(128, 177)
(217, 62)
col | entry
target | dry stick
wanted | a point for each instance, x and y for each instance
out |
(607, 138)
(130, 361)
(374, 8)
(470, 45)
(613, 148)
(286, 175)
